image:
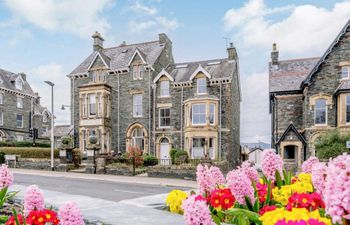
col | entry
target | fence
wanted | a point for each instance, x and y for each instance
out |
(169, 162)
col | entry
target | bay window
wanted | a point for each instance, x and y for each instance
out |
(320, 115)
(92, 104)
(199, 114)
(211, 113)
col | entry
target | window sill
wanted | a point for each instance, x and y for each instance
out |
(169, 127)
(202, 93)
(167, 96)
(137, 116)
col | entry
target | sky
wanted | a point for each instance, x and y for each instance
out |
(47, 39)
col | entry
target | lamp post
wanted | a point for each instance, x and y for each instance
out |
(52, 123)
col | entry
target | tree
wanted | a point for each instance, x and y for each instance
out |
(331, 144)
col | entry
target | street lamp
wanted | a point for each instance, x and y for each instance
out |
(52, 122)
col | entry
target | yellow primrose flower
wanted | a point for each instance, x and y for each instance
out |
(174, 201)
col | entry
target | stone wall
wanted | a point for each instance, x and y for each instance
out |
(38, 164)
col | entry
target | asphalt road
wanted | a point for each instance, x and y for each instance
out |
(108, 190)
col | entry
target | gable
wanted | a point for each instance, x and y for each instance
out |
(291, 134)
(200, 70)
(137, 58)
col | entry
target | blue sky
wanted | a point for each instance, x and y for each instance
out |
(47, 39)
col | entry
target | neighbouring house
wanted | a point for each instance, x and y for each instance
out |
(309, 97)
(253, 152)
(20, 108)
(136, 95)
(59, 132)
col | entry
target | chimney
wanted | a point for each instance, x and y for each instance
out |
(98, 41)
(163, 38)
(274, 54)
(232, 53)
(37, 98)
(122, 44)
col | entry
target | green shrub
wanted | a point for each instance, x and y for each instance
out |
(172, 154)
(150, 160)
(181, 156)
(24, 152)
(2, 157)
(66, 140)
(331, 144)
(39, 144)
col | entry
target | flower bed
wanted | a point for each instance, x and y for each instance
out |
(33, 211)
(319, 195)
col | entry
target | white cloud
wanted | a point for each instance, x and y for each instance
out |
(148, 19)
(54, 73)
(255, 117)
(78, 17)
(307, 28)
(140, 8)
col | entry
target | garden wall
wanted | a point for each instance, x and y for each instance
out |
(37, 164)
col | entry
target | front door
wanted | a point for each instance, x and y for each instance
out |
(164, 152)
(198, 148)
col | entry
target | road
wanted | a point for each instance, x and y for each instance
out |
(107, 190)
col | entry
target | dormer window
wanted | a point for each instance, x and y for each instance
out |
(137, 72)
(164, 88)
(201, 86)
(44, 118)
(345, 72)
(19, 84)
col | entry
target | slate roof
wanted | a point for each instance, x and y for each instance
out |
(119, 57)
(343, 86)
(8, 81)
(217, 68)
(59, 131)
(289, 74)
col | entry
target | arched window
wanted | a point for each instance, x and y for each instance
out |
(320, 112)
(164, 141)
(138, 138)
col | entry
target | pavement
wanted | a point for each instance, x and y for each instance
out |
(109, 199)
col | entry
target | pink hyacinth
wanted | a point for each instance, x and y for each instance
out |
(196, 212)
(240, 186)
(271, 162)
(318, 175)
(6, 177)
(307, 165)
(208, 178)
(69, 214)
(33, 199)
(337, 193)
(251, 172)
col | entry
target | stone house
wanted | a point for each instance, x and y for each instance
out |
(136, 95)
(20, 108)
(59, 132)
(309, 97)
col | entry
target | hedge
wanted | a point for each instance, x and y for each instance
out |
(39, 144)
(39, 153)
(150, 160)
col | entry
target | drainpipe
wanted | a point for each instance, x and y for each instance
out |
(181, 122)
(220, 157)
(118, 117)
(149, 110)
(72, 108)
(154, 119)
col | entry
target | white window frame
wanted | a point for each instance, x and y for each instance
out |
(201, 85)
(83, 105)
(212, 113)
(19, 84)
(346, 107)
(136, 106)
(92, 96)
(164, 88)
(347, 70)
(99, 107)
(315, 112)
(1, 98)
(17, 121)
(137, 72)
(1, 118)
(160, 124)
(19, 102)
(193, 114)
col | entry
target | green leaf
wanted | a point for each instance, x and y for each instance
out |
(278, 179)
(15, 216)
(267, 201)
(248, 203)
(242, 220)
(252, 216)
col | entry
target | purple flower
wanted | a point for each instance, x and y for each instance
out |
(318, 176)
(271, 162)
(209, 178)
(251, 172)
(307, 165)
(33, 199)
(240, 185)
(196, 212)
(6, 177)
(69, 214)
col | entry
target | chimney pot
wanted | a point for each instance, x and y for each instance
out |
(232, 53)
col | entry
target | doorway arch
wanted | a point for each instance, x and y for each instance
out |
(137, 136)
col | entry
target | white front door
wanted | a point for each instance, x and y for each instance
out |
(164, 153)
